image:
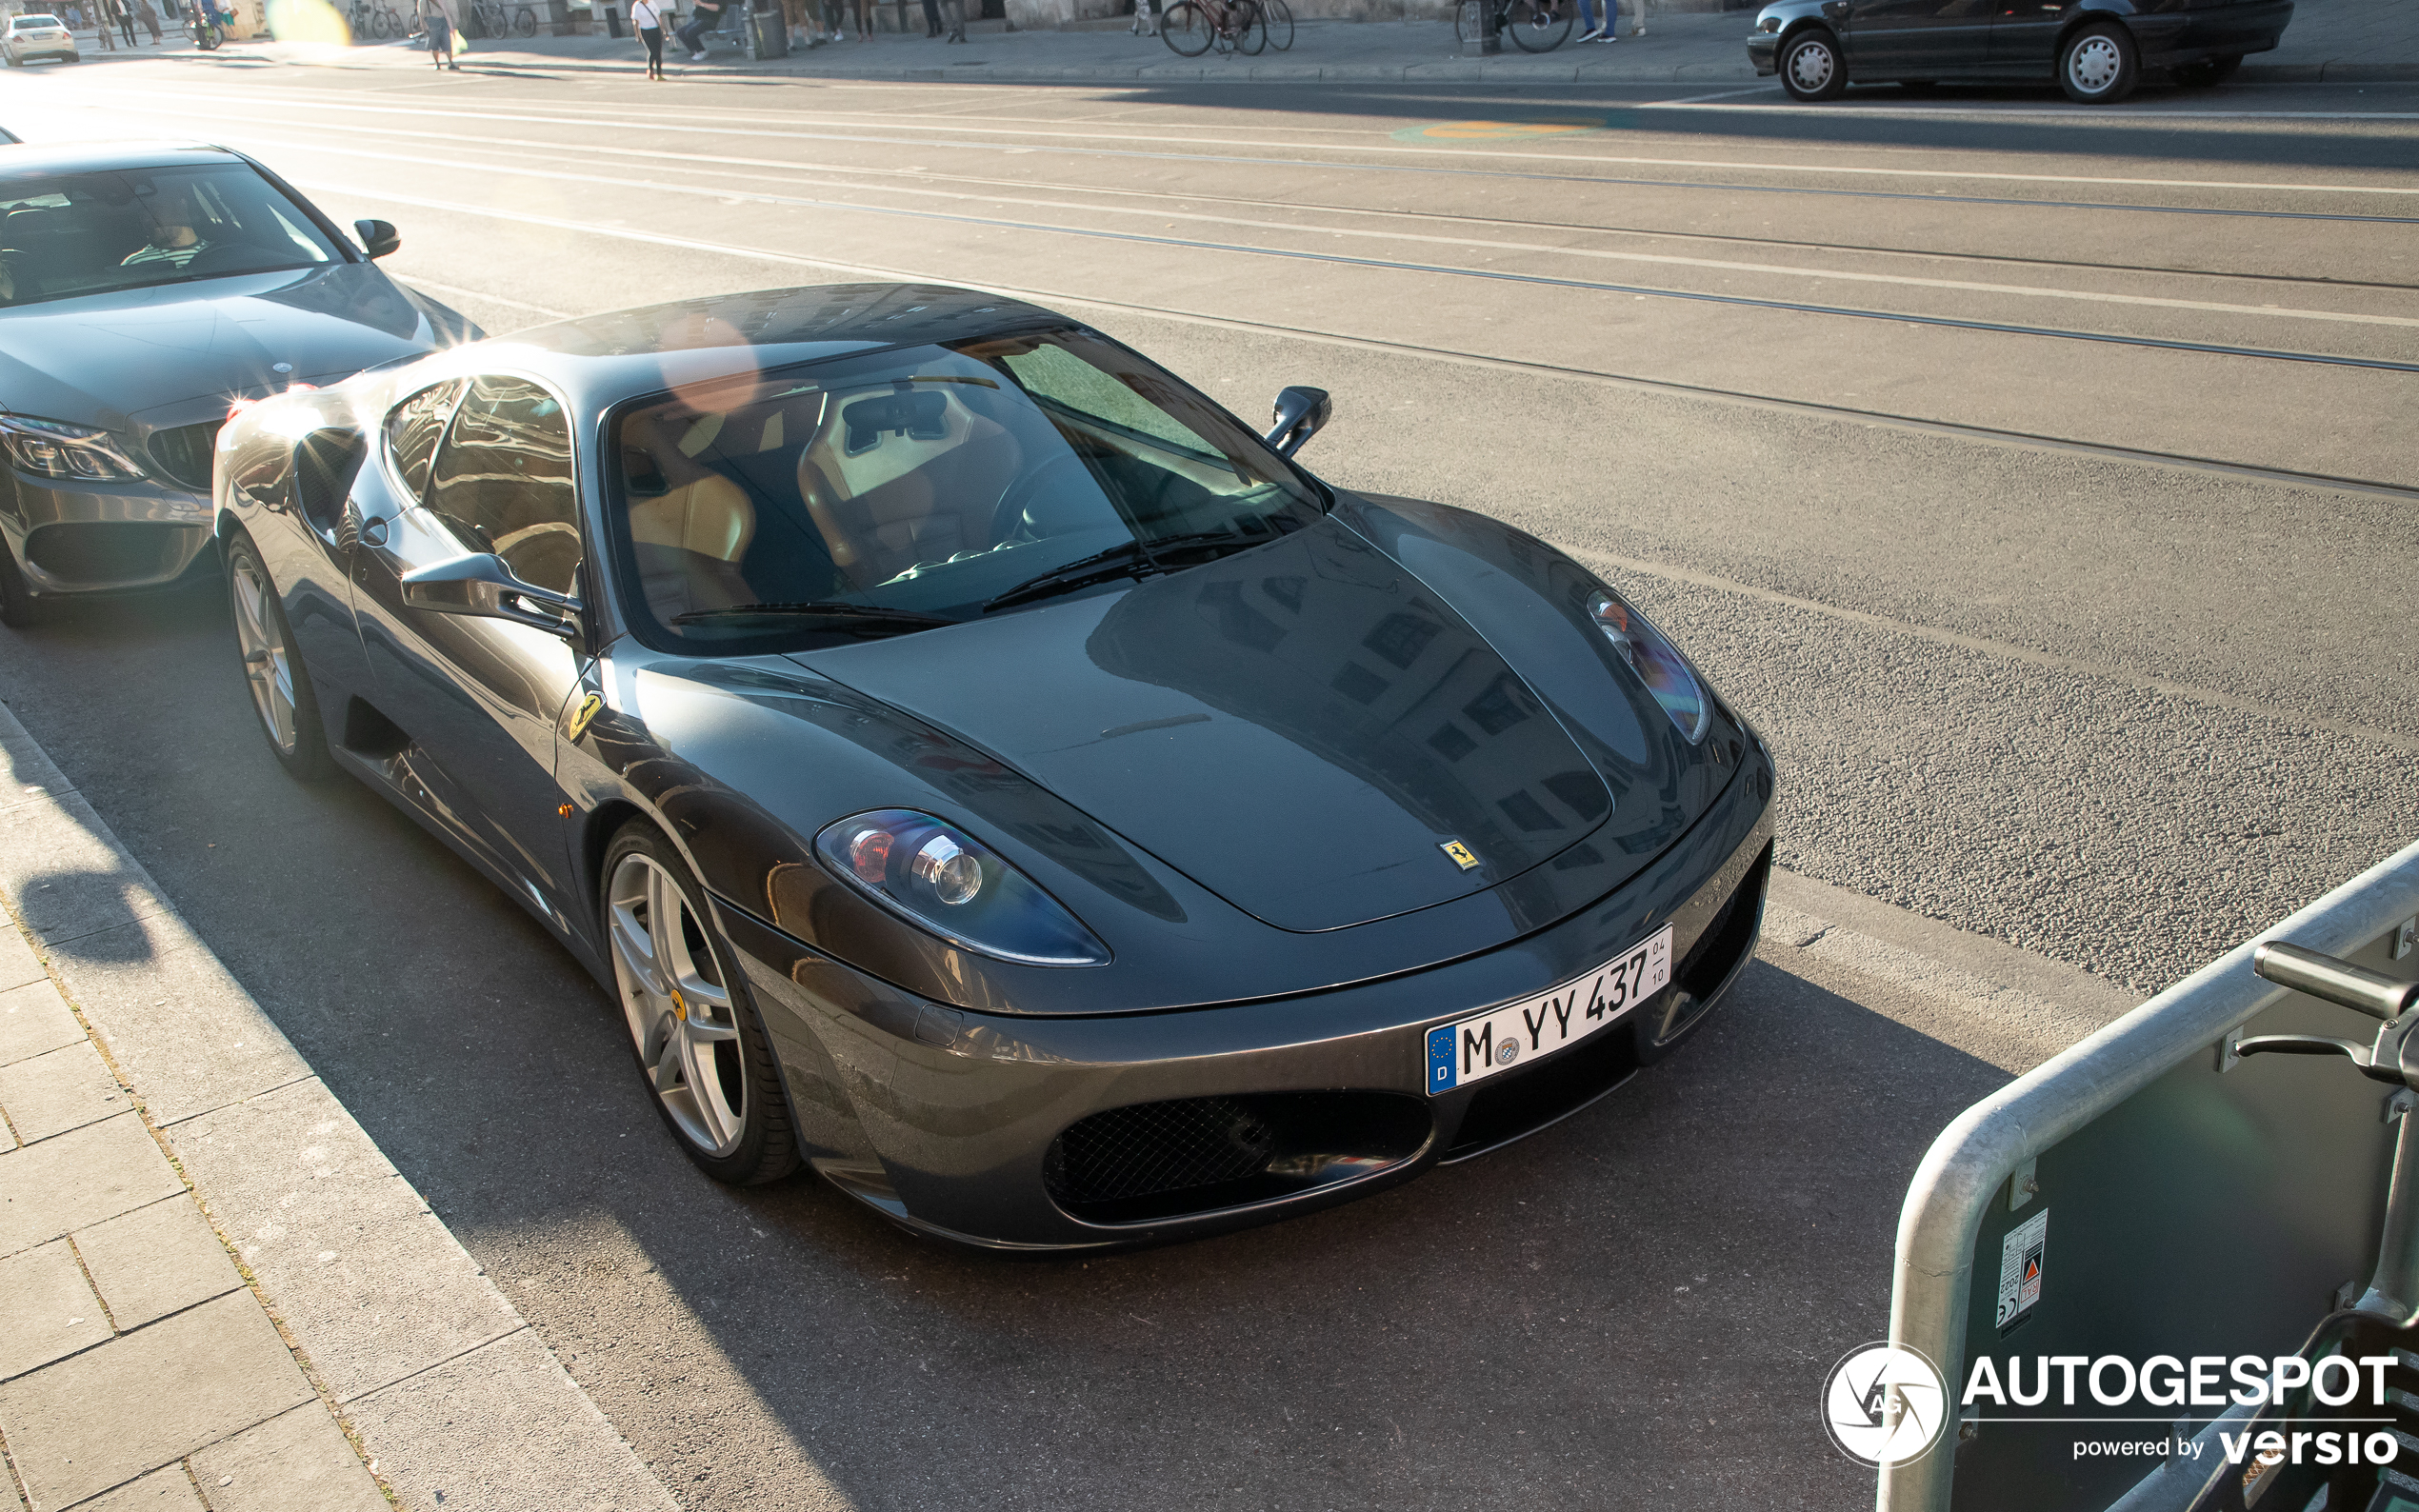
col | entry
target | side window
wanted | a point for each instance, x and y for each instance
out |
(502, 481)
(413, 429)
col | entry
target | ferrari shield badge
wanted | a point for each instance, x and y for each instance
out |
(1459, 854)
(589, 707)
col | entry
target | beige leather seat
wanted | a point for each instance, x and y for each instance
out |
(692, 540)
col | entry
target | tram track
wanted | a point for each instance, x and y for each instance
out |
(574, 115)
(1989, 435)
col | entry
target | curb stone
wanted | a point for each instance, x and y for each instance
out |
(322, 1222)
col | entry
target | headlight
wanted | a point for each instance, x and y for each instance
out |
(50, 449)
(1657, 663)
(944, 882)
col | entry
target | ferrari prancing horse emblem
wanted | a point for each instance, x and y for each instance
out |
(1461, 855)
(589, 707)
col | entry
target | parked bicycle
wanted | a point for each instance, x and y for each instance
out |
(1279, 21)
(1534, 25)
(1191, 27)
(495, 24)
(368, 22)
(206, 32)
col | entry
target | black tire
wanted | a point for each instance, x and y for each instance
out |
(1279, 21)
(1186, 30)
(1811, 68)
(1538, 26)
(1468, 21)
(2209, 72)
(765, 1146)
(258, 611)
(19, 608)
(1252, 38)
(2099, 65)
(525, 22)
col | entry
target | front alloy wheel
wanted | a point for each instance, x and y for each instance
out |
(1810, 67)
(2097, 66)
(280, 687)
(705, 1056)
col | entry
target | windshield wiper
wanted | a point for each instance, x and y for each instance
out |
(869, 616)
(1117, 561)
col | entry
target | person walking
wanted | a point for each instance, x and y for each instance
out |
(932, 19)
(954, 12)
(1593, 32)
(125, 19)
(151, 19)
(702, 19)
(104, 24)
(438, 27)
(650, 23)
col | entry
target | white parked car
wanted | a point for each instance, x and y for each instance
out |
(31, 37)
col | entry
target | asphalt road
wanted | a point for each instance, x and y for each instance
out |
(2037, 479)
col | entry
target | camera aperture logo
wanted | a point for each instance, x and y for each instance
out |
(1884, 1404)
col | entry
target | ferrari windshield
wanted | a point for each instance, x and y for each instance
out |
(66, 234)
(881, 494)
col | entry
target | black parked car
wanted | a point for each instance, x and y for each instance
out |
(984, 770)
(2095, 50)
(144, 289)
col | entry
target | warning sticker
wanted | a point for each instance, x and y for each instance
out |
(2019, 1269)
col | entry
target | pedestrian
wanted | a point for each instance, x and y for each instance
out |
(107, 23)
(1593, 32)
(955, 13)
(704, 18)
(650, 23)
(932, 19)
(151, 19)
(438, 27)
(1146, 20)
(865, 20)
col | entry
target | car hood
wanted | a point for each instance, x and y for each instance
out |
(105, 358)
(1303, 729)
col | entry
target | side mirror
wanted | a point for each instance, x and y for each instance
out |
(1300, 414)
(378, 238)
(481, 585)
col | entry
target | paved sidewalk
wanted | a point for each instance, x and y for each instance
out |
(2375, 41)
(218, 1293)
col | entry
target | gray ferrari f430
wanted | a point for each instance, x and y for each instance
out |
(145, 289)
(982, 769)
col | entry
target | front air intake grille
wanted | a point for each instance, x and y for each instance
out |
(183, 455)
(110, 553)
(1195, 1155)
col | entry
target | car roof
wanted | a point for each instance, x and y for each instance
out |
(85, 157)
(623, 353)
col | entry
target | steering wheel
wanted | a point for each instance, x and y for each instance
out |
(1007, 516)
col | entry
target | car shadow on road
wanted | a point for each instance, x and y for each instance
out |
(1635, 1305)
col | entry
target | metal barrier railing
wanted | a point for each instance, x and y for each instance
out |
(2205, 1208)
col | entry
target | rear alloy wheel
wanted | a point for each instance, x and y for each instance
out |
(2098, 65)
(1810, 67)
(699, 1044)
(280, 687)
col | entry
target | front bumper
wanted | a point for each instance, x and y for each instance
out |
(958, 1123)
(1763, 51)
(103, 538)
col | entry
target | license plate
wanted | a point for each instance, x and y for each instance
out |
(1500, 1039)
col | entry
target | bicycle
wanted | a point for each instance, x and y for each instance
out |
(1191, 27)
(2378, 1324)
(1534, 25)
(493, 23)
(366, 21)
(1279, 21)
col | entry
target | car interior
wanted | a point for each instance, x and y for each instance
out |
(97, 232)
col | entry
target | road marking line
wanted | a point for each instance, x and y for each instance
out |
(2017, 440)
(651, 124)
(1601, 254)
